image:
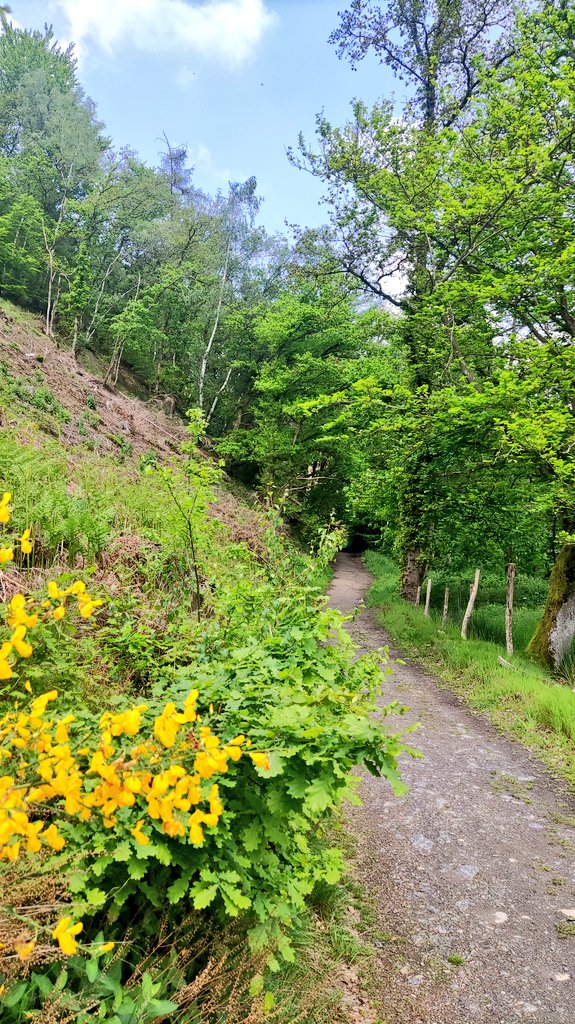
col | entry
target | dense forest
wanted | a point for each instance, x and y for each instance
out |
(400, 379)
(409, 367)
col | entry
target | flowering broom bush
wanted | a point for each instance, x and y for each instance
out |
(206, 798)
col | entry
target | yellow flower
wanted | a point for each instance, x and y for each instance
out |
(138, 835)
(59, 612)
(25, 543)
(107, 947)
(5, 670)
(65, 932)
(34, 844)
(128, 722)
(6, 554)
(232, 752)
(87, 605)
(261, 760)
(53, 838)
(17, 640)
(4, 511)
(18, 615)
(166, 726)
(61, 734)
(190, 706)
(196, 834)
(28, 686)
(39, 703)
(215, 805)
(24, 949)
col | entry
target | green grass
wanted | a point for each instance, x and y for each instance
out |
(488, 623)
(524, 700)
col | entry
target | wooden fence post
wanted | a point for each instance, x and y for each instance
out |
(469, 610)
(427, 598)
(445, 607)
(418, 595)
(509, 608)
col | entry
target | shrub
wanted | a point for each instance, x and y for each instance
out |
(173, 816)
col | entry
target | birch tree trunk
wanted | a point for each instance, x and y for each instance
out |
(427, 598)
(50, 244)
(218, 395)
(470, 604)
(208, 348)
(509, 608)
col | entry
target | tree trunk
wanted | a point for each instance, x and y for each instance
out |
(208, 348)
(411, 576)
(114, 366)
(556, 631)
(75, 337)
(445, 607)
(427, 598)
(509, 608)
(470, 604)
(218, 395)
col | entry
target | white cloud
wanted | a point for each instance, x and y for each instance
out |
(226, 30)
(206, 170)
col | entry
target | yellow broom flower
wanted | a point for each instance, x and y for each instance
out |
(65, 933)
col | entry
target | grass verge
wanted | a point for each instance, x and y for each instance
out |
(524, 701)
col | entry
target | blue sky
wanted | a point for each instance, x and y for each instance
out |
(235, 80)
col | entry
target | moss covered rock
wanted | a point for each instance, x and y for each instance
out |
(556, 631)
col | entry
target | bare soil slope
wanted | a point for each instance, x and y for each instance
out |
(97, 413)
(44, 385)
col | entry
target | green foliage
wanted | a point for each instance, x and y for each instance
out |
(457, 215)
(272, 664)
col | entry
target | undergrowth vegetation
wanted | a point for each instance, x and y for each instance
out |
(522, 699)
(172, 749)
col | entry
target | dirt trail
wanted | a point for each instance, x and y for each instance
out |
(477, 862)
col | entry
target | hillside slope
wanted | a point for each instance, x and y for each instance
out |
(138, 598)
(42, 381)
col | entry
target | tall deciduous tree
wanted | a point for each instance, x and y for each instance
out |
(383, 174)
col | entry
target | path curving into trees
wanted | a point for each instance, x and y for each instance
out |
(476, 863)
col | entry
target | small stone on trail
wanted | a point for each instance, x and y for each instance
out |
(562, 977)
(415, 980)
(500, 918)
(468, 871)
(569, 914)
(421, 842)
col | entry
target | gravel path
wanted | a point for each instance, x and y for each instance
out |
(476, 863)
